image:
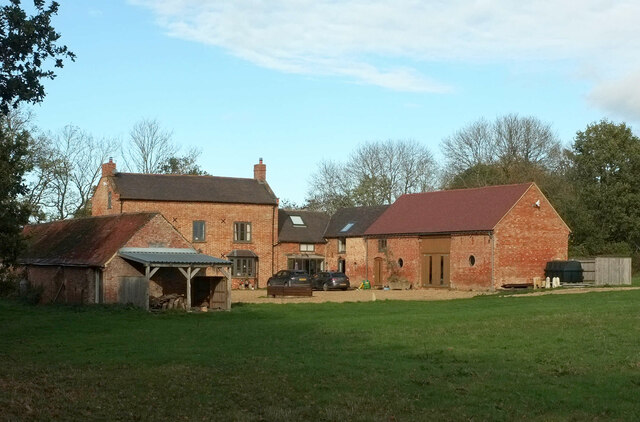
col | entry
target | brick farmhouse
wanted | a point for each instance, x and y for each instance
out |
(121, 258)
(225, 217)
(483, 238)
(301, 243)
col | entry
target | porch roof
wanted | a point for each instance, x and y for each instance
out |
(171, 257)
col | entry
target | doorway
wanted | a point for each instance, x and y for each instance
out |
(435, 270)
(377, 272)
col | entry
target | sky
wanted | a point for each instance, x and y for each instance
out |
(296, 82)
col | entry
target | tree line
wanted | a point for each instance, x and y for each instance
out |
(594, 183)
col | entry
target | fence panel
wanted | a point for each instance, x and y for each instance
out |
(135, 291)
(613, 270)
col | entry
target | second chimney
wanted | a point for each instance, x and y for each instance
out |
(109, 169)
(260, 171)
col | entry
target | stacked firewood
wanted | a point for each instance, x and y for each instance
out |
(170, 301)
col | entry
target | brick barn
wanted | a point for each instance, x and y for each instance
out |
(225, 217)
(301, 243)
(481, 238)
(346, 249)
(122, 258)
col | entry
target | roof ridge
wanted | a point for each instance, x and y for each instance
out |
(64, 220)
(187, 175)
(470, 189)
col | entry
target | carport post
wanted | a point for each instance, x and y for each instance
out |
(189, 273)
(227, 275)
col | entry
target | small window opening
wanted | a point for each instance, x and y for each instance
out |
(400, 262)
(347, 227)
(472, 260)
(297, 221)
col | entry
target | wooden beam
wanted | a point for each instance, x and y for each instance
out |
(227, 275)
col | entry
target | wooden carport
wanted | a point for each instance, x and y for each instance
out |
(188, 261)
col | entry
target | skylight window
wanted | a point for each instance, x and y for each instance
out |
(347, 227)
(297, 221)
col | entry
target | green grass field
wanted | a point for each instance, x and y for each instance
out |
(557, 357)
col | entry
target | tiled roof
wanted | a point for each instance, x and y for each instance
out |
(187, 188)
(353, 222)
(90, 241)
(449, 211)
(312, 232)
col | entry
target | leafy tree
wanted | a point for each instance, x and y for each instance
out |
(185, 164)
(26, 43)
(605, 173)
(14, 147)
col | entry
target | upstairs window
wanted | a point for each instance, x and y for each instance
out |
(108, 200)
(297, 221)
(382, 245)
(307, 247)
(199, 231)
(342, 245)
(242, 232)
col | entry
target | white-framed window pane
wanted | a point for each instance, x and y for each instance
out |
(199, 231)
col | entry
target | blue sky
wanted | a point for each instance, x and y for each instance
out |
(297, 82)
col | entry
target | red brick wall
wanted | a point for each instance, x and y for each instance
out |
(405, 248)
(354, 256)
(528, 237)
(112, 274)
(463, 275)
(99, 200)
(158, 233)
(282, 250)
(219, 220)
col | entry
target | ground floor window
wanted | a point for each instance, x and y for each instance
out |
(310, 265)
(244, 267)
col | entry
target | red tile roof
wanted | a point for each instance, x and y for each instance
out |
(449, 211)
(87, 242)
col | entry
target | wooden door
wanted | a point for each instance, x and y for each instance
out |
(443, 270)
(377, 272)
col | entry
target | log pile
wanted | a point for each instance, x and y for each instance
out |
(170, 301)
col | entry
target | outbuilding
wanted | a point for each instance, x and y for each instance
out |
(121, 258)
(481, 238)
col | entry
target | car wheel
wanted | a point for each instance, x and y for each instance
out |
(325, 287)
(344, 289)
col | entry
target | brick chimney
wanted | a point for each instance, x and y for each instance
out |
(109, 169)
(260, 171)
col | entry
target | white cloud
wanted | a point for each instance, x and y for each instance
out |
(620, 96)
(344, 38)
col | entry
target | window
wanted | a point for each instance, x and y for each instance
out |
(198, 231)
(242, 232)
(472, 260)
(109, 200)
(307, 247)
(342, 245)
(297, 221)
(347, 227)
(400, 262)
(382, 245)
(243, 267)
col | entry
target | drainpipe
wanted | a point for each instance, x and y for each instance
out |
(493, 279)
(366, 258)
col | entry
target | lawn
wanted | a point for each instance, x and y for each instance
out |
(557, 357)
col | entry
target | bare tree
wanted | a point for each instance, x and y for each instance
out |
(376, 173)
(74, 166)
(149, 147)
(511, 149)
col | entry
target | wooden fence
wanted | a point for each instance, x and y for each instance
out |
(135, 291)
(604, 270)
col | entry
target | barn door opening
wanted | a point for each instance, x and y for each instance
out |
(377, 272)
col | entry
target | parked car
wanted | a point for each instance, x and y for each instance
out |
(289, 278)
(330, 280)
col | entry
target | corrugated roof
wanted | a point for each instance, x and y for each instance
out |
(242, 253)
(187, 188)
(315, 224)
(170, 257)
(360, 217)
(478, 209)
(89, 242)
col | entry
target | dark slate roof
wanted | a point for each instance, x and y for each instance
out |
(87, 242)
(170, 257)
(361, 217)
(450, 211)
(187, 188)
(315, 224)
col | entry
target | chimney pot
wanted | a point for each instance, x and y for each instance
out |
(109, 169)
(260, 171)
